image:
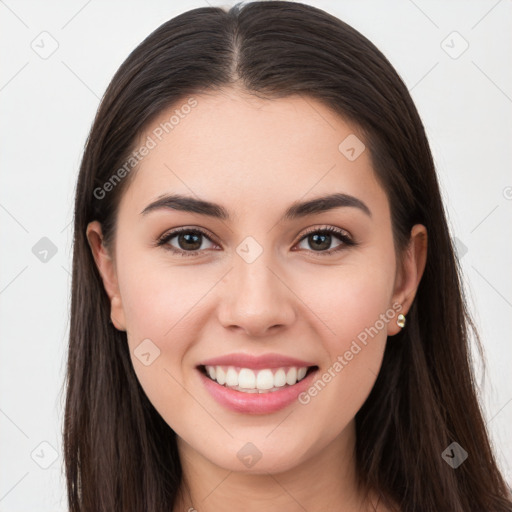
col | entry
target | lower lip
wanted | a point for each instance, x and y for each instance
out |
(256, 403)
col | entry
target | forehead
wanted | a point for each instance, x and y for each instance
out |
(244, 151)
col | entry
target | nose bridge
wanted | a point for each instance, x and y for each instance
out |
(255, 297)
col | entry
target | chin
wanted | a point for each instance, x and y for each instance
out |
(258, 457)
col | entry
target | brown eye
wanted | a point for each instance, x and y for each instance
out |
(320, 240)
(188, 242)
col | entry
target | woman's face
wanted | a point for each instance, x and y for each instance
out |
(262, 297)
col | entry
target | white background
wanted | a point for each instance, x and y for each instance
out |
(47, 106)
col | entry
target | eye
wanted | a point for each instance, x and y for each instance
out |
(320, 239)
(188, 240)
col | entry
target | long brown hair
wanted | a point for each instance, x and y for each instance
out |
(119, 452)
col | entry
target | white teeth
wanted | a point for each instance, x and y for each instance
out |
(231, 377)
(291, 376)
(280, 378)
(256, 381)
(220, 375)
(246, 379)
(265, 380)
(301, 373)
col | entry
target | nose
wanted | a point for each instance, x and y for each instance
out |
(256, 298)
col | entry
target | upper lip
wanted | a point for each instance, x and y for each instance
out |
(257, 362)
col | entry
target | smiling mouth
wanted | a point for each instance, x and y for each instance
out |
(265, 380)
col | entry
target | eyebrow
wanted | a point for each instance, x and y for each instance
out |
(296, 210)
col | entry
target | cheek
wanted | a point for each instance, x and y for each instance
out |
(353, 300)
(159, 300)
(162, 304)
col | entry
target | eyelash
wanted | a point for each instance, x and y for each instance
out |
(345, 239)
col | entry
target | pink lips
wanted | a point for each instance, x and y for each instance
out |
(256, 403)
(255, 362)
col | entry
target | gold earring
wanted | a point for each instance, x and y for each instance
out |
(401, 321)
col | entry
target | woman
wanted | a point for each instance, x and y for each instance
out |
(303, 358)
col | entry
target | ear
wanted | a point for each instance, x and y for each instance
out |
(409, 274)
(107, 270)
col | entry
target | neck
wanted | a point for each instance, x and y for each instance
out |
(325, 481)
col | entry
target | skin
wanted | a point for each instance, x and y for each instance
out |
(255, 157)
